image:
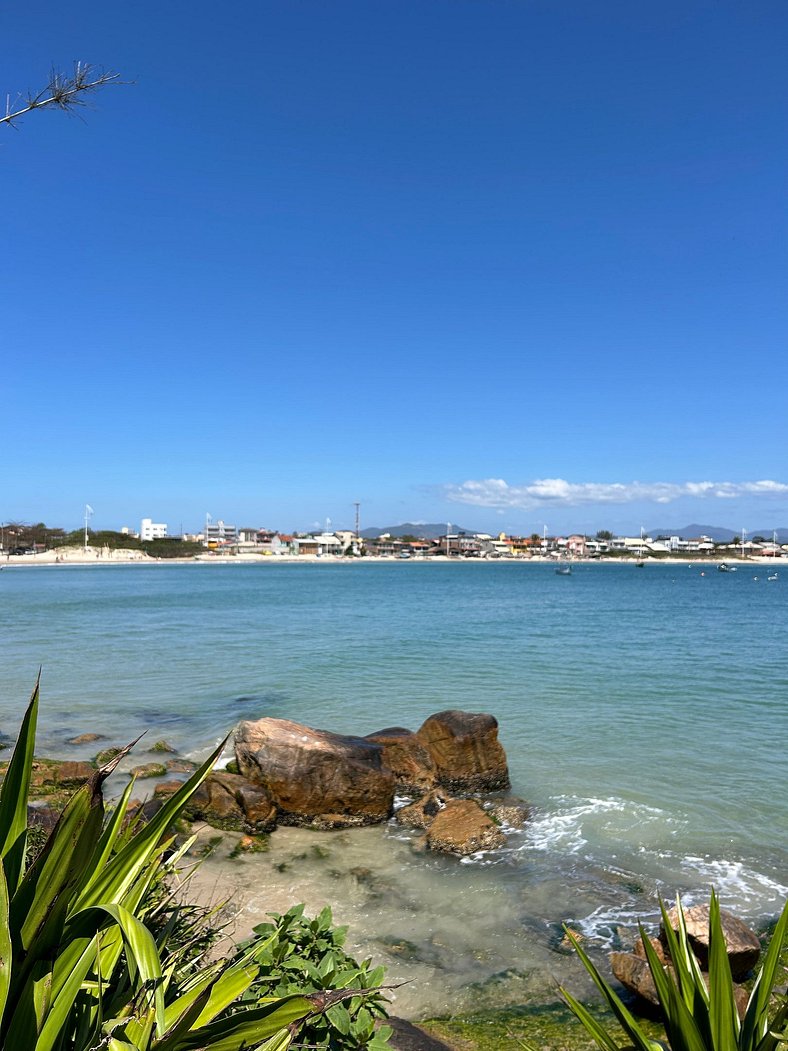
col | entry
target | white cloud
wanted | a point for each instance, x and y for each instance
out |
(557, 492)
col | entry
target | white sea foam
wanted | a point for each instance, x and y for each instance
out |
(741, 887)
(564, 829)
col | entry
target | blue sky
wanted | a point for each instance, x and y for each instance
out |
(500, 263)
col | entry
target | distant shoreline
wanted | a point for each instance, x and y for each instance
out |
(102, 558)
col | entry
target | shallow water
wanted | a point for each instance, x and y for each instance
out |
(643, 713)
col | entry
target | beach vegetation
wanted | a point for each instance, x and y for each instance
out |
(93, 953)
(297, 954)
(699, 1011)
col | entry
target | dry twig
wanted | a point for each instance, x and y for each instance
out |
(63, 91)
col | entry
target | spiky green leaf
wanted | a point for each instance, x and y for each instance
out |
(14, 795)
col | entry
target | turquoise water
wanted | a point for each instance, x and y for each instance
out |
(643, 710)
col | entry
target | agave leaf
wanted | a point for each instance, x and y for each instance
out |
(14, 795)
(38, 909)
(245, 1029)
(125, 866)
(72, 967)
(108, 839)
(689, 979)
(203, 1003)
(777, 1032)
(755, 1024)
(680, 1025)
(5, 944)
(601, 1036)
(26, 1013)
(280, 1042)
(723, 1016)
(625, 1019)
(181, 1015)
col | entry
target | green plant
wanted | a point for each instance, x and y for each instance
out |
(80, 969)
(295, 952)
(697, 1016)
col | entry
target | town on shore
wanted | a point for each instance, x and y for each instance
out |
(20, 543)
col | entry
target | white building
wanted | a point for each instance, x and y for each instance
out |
(150, 530)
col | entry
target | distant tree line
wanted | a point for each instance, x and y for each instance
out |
(20, 538)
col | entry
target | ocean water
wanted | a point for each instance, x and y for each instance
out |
(643, 712)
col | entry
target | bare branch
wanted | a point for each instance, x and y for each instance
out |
(62, 91)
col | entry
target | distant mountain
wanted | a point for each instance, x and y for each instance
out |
(718, 533)
(428, 530)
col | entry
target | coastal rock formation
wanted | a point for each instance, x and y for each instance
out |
(421, 813)
(742, 943)
(403, 753)
(466, 751)
(462, 827)
(316, 778)
(227, 801)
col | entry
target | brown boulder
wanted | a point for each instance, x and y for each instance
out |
(421, 813)
(741, 942)
(316, 778)
(462, 827)
(407, 758)
(230, 802)
(634, 974)
(466, 751)
(632, 970)
(656, 945)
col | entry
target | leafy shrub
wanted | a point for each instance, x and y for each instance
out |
(293, 953)
(697, 1016)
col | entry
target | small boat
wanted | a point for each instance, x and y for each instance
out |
(564, 571)
(772, 577)
(723, 567)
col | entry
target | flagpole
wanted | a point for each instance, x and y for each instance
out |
(88, 513)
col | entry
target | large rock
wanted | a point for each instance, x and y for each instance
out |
(403, 753)
(315, 778)
(227, 801)
(466, 751)
(635, 975)
(462, 827)
(741, 942)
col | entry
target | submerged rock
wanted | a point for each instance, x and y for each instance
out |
(316, 778)
(421, 813)
(87, 738)
(462, 827)
(466, 751)
(149, 770)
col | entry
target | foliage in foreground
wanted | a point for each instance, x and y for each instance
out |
(296, 954)
(697, 1016)
(80, 970)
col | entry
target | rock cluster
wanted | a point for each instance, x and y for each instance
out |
(286, 773)
(318, 779)
(743, 947)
